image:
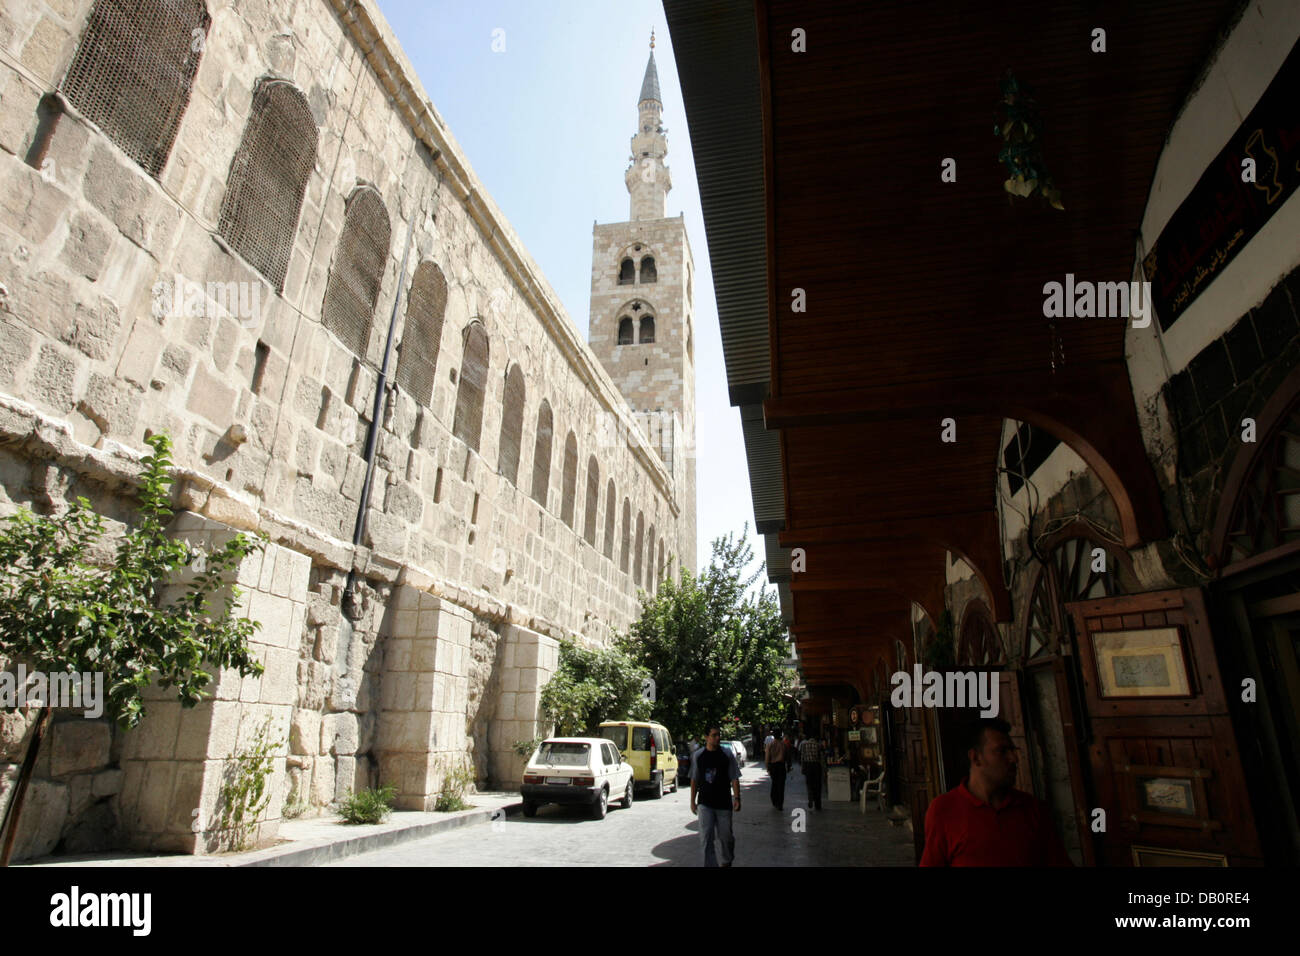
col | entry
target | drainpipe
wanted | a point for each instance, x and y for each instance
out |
(349, 603)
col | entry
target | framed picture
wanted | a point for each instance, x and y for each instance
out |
(1158, 856)
(1141, 663)
(870, 735)
(854, 736)
(1167, 795)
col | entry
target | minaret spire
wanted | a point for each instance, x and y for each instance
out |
(648, 179)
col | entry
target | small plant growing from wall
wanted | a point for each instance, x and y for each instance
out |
(244, 792)
(452, 795)
(368, 806)
(62, 612)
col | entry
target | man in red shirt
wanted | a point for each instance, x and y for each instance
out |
(985, 821)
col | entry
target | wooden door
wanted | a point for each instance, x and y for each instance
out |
(1164, 756)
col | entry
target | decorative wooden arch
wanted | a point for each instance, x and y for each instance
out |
(979, 641)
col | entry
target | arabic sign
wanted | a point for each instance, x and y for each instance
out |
(1222, 213)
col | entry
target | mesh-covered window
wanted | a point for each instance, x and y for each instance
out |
(627, 535)
(569, 480)
(133, 69)
(626, 272)
(640, 548)
(625, 331)
(268, 177)
(417, 359)
(611, 515)
(648, 273)
(357, 271)
(542, 453)
(467, 424)
(659, 575)
(647, 329)
(593, 501)
(650, 560)
(512, 425)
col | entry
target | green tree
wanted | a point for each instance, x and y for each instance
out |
(714, 646)
(590, 686)
(62, 612)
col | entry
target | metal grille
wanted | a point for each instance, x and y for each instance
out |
(627, 534)
(133, 69)
(650, 560)
(647, 329)
(418, 359)
(542, 454)
(358, 269)
(640, 547)
(593, 500)
(611, 496)
(268, 177)
(569, 485)
(467, 425)
(512, 425)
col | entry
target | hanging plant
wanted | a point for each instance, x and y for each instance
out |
(1018, 123)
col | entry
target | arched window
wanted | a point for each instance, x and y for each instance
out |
(133, 69)
(467, 423)
(659, 576)
(417, 358)
(640, 548)
(268, 177)
(648, 273)
(542, 453)
(611, 499)
(627, 535)
(357, 271)
(512, 425)
(593, 501)
(625, 331)
(647, 329)
(569, 479)
(650, 560)
(626, 272)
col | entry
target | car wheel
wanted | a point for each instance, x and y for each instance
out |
(530, 808)
(627, 795)
(601, 806)
(658, 786)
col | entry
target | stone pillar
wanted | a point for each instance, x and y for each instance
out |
(530, 660)
(422, 700)
(175, 762)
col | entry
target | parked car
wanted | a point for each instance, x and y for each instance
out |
(684, 765)
(648, 747)
(738, 749)
(582, 770)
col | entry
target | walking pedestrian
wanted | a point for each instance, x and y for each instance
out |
(810, 759)
(714, 773)
(775, 758)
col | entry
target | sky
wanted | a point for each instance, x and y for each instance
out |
(545, 121)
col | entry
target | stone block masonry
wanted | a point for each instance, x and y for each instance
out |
(269, 414)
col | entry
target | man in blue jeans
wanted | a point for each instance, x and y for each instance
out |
(714, 774)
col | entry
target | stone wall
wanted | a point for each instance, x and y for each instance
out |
(463, 582)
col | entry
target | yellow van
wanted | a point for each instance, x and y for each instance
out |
(648, 747)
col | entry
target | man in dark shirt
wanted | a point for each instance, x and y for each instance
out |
(810, 759)
(713, 774)
(985, 820)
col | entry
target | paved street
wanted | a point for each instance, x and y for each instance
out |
(664, 833)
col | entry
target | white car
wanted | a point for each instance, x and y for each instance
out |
(585, 770)
(738, 750)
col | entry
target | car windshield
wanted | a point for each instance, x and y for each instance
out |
(562, 754)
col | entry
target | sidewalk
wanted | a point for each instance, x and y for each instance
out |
(840, 834)
(314, 841)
